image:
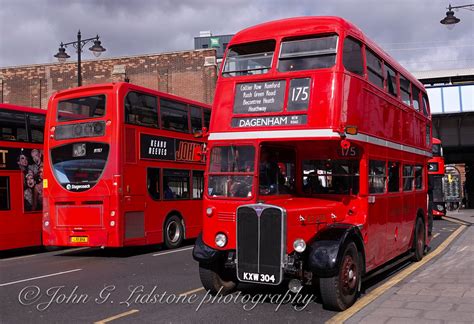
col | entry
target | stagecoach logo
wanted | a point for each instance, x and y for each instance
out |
(269, 121)
(77, 187)
(3, 158)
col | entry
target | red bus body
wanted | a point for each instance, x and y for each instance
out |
(21, 163)
(306, 154)
(117, 173)
(435, 178)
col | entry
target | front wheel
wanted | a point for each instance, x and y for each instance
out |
(216, 279)
(173, 232)
(418, 240)
(341, 291)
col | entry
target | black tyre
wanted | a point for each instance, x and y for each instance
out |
(216, 279)
(173, 232)
(418, 240)
(341, 291)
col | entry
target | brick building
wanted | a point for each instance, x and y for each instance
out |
(190, 74)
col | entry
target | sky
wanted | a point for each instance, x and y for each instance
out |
(409, 30)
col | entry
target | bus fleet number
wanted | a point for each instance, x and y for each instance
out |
(350, 151)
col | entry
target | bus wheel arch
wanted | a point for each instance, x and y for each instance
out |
(340, 291)
(337, 259)
(173, 230)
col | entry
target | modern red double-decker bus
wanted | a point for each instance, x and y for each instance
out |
(123, 167)
(435, 180)
(21, 173)
(317, 161)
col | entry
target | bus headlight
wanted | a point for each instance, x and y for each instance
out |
(299, 245)
(46, 223)
(221, 240)
(209, 211)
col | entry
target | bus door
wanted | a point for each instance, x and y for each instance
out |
(134, 190)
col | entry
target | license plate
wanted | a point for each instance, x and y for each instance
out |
(259, 277)
(79, 239)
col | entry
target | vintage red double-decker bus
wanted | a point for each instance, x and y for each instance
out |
(122, 167)
(435, 180)
(317, 161)
(21, 176)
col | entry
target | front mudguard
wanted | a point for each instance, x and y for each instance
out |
(203, 253)
(325, 252)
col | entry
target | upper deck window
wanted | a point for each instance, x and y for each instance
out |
(13, 126)
(141, 109)
(308, 54)
(416, 98)
(374, 69)
(425, 105)
(352, 56)
(405, 90)
(249, 59)
(81, 108)
(37, 127)
(174, 116)
(391, 80)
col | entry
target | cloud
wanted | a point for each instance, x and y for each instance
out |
(31, 30)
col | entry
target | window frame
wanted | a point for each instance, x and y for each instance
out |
(8, 195)
(373, 71)
(127, 112)
(384, 176)
(388, 67)
(188, 184)
(362, 46)
(193, 172)
(422, 175)
(82, 118)
(303, 38)
(160, 115)
(159, 183)
(409, 176)
(402, 90)
(25, 126)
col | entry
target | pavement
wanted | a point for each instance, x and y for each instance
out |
(441, 291)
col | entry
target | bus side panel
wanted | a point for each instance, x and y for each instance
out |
(17, 228)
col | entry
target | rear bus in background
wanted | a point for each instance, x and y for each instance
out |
(435, 180)
(123, 167)
(21, 173)
(317, 165)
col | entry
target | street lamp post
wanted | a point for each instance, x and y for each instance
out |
(450, 20)
(79, 44)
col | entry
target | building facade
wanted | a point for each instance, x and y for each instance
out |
(190, 74)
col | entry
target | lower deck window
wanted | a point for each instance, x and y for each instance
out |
(153, 182)
(408, 176)
(377, 176)
(4, 193)
(331, 177)
(418, 177)
(175, 184)
(198, 184)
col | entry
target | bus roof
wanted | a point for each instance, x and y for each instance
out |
(22, 108)
(115, 86)
(309, 25)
